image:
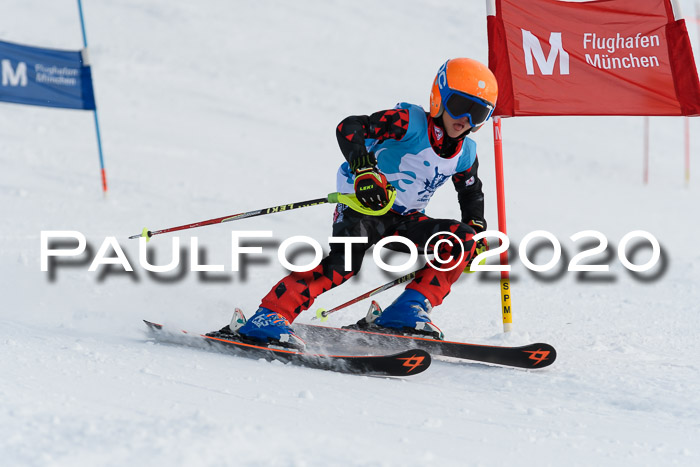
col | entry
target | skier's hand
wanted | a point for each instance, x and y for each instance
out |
(362, 161)
(372, 188)
(482, 245)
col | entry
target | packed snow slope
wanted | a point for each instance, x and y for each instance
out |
(218, 107)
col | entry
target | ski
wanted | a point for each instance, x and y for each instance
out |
(403, 363)
(529, 356)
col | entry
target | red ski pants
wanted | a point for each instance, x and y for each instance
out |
(297, 291)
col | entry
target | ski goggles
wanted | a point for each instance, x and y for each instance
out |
(459, 104)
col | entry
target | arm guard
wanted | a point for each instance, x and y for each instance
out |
(354, 130)
(471, 197)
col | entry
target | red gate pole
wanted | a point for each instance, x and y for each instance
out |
(501, 201)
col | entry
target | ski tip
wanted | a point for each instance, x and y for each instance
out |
(152, 325)
(411, 362)
(540, 355)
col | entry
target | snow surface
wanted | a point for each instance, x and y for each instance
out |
(213, 108)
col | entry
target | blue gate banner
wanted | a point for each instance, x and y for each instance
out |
(45, 77)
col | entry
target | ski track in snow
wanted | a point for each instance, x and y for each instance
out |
(214, 109)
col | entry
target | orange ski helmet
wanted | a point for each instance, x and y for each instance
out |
(464, 87)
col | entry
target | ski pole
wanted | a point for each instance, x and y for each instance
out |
(349, 200)
(323, 314)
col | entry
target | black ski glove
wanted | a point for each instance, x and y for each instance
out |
(372, 188)
(482, 246)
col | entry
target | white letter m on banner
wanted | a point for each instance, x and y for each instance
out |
(14, 77)
(532, 47)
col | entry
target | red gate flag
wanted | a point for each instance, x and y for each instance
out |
(602, 57)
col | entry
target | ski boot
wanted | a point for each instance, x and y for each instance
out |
(265, 327)
(409, 314)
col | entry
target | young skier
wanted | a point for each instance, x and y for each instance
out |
(413, 152)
